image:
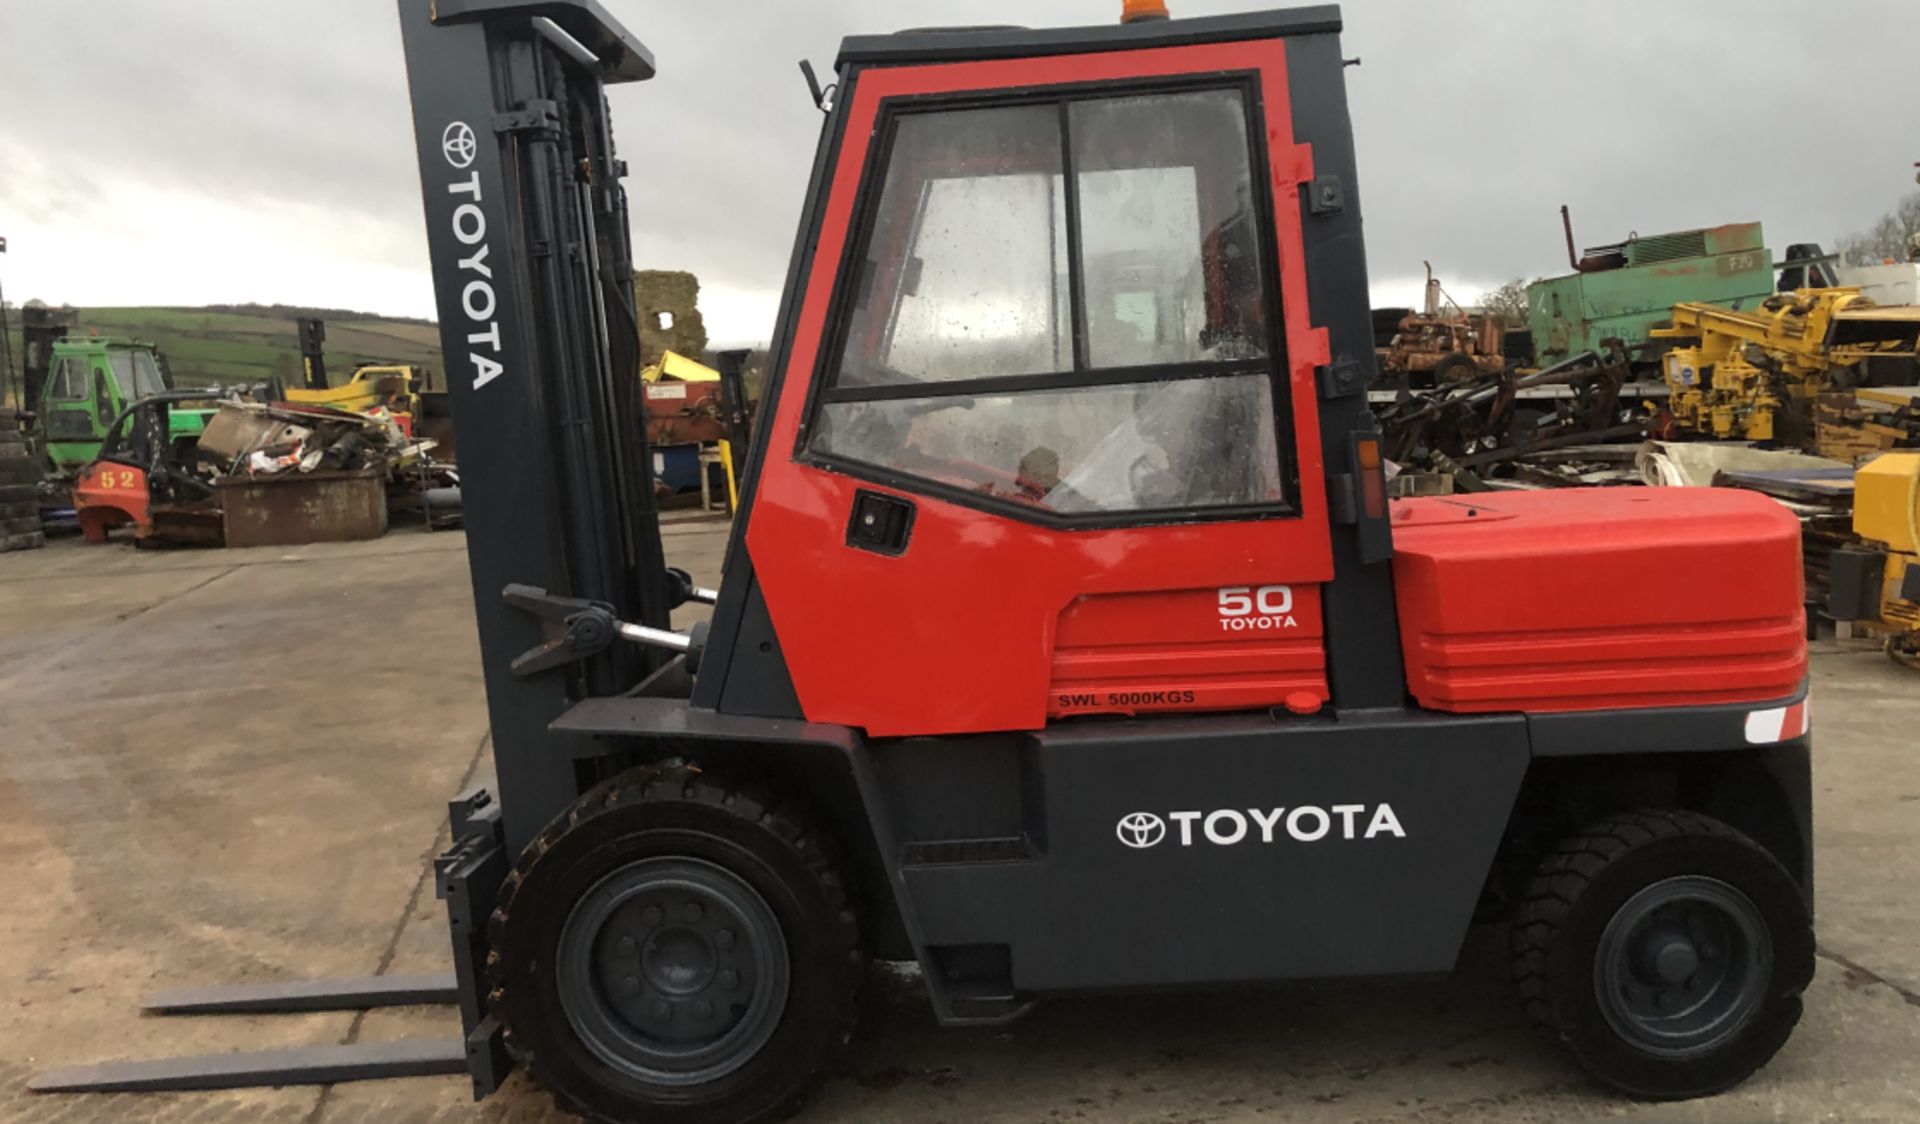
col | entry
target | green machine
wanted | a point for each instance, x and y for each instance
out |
(89, 382)
(1621, 291)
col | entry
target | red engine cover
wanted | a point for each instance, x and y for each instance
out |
(1598, 598)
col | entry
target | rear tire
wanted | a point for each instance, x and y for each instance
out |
(677, 948)
(1666, 951)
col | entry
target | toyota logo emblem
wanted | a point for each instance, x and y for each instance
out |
(458, 144)
(1141, 830)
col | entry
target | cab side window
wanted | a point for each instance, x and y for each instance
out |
(70, 380)
(1062, 305)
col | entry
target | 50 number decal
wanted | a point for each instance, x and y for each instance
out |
(1245, 608)
(1243, 600)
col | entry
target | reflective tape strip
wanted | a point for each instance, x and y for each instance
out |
(1779, 723)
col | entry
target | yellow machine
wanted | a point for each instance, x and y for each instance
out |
(1742, 369)
(393, 387)
(1882, 586)
(703, 400)
(673, 365)
(370, 386)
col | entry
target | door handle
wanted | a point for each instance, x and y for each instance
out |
(880, 523)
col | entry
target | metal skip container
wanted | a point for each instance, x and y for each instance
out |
(303, 507)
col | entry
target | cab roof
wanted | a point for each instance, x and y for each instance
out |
(965, 44)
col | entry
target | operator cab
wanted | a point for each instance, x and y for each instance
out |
(90, 381)
(1049, 378)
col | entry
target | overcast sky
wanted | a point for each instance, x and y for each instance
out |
(201, 151)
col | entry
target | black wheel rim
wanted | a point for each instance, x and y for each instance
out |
(673, 971)
(1683, 966)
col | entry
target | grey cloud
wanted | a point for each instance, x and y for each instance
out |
(1474, 120)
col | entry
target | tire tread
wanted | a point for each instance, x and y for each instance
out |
(1567, 872)
(679, 781)
(1545, 915)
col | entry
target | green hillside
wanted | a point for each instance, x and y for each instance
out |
(248, 344)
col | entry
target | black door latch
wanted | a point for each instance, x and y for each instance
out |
(880, 523)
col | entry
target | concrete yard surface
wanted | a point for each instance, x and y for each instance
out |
(234, 766)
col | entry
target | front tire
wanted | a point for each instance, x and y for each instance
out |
(677, 948)
(1666, 951)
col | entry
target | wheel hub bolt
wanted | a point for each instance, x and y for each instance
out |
(625, 947)
(652, 915)
(724, 938)
(694, 912)
(703, 1009)
(662, 1012)
(630, 986)
(729, 979)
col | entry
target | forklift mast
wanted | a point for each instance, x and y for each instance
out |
(533, 271)
(313, 352)
(40, 328)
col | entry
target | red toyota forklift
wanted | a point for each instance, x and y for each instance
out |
(1067, 640)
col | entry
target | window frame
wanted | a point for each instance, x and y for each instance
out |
(1274, 366)
(60, 376)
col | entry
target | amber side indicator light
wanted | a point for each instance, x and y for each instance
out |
(1373, 484)
(1135, 11)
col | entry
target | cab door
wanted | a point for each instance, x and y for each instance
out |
(73, 404)
(1045, 442)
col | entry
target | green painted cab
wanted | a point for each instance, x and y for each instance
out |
(89, 382)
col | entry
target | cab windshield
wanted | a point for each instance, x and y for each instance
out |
(136, 373)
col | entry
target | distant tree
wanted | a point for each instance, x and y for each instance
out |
(286, 369)
(1508, 303)
(1890, 237)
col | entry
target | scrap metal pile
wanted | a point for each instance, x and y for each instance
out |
(250, 439)
(1538, 426)
(258, 475)
(1852, 425)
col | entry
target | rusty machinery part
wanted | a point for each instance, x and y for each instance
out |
(1481, 422)
(1448, 346)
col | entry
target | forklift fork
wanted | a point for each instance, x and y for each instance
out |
(465, 877)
